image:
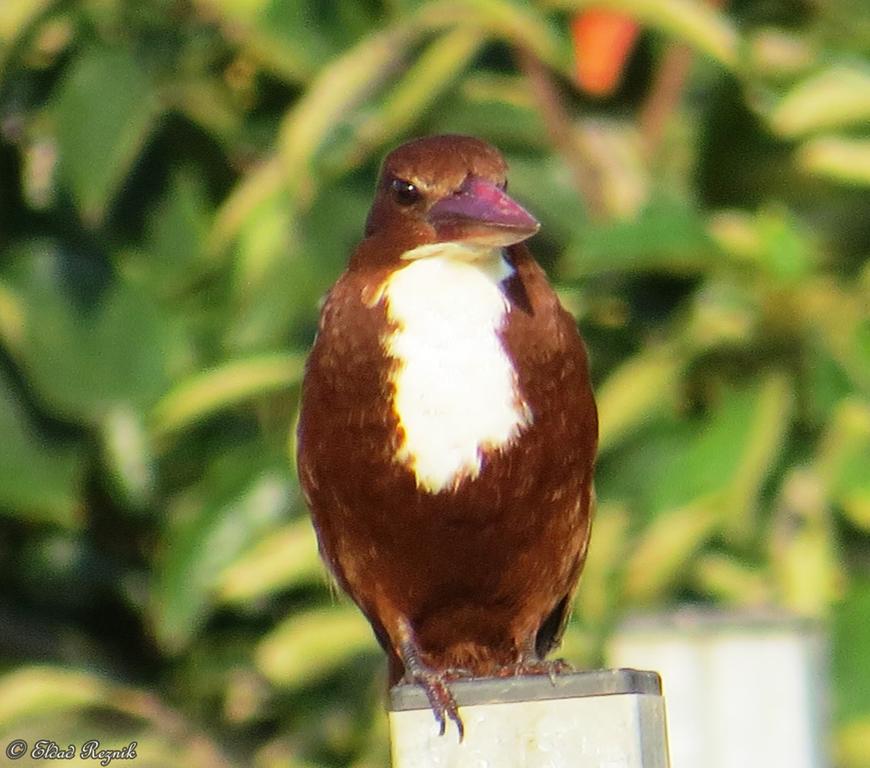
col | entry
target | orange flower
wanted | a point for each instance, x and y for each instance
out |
(603, 40)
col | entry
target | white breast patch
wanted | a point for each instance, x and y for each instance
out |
(455, 387)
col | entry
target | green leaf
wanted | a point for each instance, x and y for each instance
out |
(104, 111)
(843, 460)
(15, 18)
(732, 581)
(596, 598)
(851, 662)
(668, 544)
(208, 538)
(330, 99)
(39, 690)
(128, 457)
(89, 342)
(177, 230)
(846, 161)
(834, 98)
(40, 477)
(516, 23)
(852, 743)
(313, 644)
(765, 439)
(203, 394)
(668, 234)
(636, 393)
(787, 248)
(291, 38)
(435, 69)
(285, 558)
(285, 263)
(723, 445)
(804, 547)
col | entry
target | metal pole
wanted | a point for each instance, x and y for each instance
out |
(610, 718)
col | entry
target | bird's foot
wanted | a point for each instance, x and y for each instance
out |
(552, 668)
(457, 673)
(441, 700)
(433, 682)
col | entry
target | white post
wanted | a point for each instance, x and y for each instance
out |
(745, 689)
(611, 718)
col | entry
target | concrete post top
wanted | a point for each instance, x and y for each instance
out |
(506, 690)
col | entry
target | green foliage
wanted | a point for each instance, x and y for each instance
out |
(179, 184)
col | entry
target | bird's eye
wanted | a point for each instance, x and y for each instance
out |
(404, 192)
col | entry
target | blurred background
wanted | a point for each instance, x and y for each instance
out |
(181, 181)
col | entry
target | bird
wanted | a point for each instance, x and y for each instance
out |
(447, 427)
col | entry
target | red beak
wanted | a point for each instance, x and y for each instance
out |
(481, 213)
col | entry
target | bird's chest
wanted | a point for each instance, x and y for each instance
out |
(454, 387)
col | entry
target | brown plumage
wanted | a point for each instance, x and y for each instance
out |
(469, 569)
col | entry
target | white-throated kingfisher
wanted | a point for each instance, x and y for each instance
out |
(448, 430)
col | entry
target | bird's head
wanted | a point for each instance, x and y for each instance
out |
(448, 189)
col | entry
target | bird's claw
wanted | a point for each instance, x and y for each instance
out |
(552, 668)
(441, 700)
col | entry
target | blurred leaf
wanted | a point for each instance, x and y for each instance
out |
(723, 314)
(787, 249)
(434, 70)
(517, 23)
(15, 17)
(104, 111)
(477, 109)
(11, 319)
(712, 457)
(843, 460)
(852, 743)
(774, 52)
(285, 558)
(91, 342)
(597, 591)
(839, 159)
(177, 230)
(636, 393)
(40, 479)
(697, 24)
(292, 38)
(222, 526)
(851, 662)
(37, 690)
(668, 544)
(45, 696)
(774, 239)
(313, 644)
(128, 456)
(836, 317)
(764, 443)
(834, 98)
(285, 266)
(337, 89)
(229, 384)
(704, 480)
(803, 547)
(266, 244)
(733, 581)
(668, 234)
(544, 184)
(259, 189)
